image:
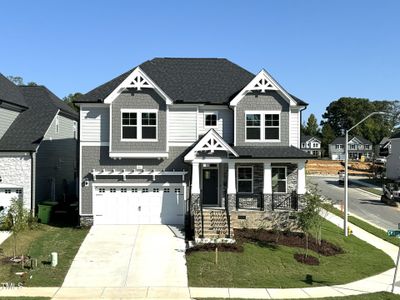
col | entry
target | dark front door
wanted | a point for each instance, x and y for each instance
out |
(210, 186)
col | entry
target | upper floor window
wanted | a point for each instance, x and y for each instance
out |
(315, 145)
(303, 145)
(210, 120)
(352, 146)
(367, 147)
(137, 125)
(263, 126)
(339, 146)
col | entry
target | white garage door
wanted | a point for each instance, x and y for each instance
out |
(138, 205)
(6, 194)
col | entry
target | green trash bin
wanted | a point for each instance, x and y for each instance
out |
(44, 211)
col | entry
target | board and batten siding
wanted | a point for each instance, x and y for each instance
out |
(295, 128)
(94, 124)
(6, 118)
(182, 124)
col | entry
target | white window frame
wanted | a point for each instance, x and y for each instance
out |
(338, 146)
(303, 145)
(279, 167)
(315, 145)
(75, 129)
(352, 147)
(262, 127)
(139, 126)
(367, 147)
(252, 179)
(208, 114)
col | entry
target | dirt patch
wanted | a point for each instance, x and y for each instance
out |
(308, 260)
(332, 167)
(223, 247)
(290, 239)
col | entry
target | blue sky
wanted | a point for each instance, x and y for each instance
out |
(318, 50)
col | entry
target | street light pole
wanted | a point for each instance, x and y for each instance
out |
(346, 172)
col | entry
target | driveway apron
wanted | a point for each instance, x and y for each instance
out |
(129, 256)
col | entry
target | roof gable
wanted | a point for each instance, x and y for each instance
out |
(9, 92)
(210, 142)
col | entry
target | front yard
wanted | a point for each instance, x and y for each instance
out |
(39, 243)
(273, 266)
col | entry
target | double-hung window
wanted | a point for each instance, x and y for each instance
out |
(245, 179)
(139, 125)
(263, 126)
(279, 180)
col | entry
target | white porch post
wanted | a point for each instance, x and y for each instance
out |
(231, 189)
(301, 178)
(267, 186)
(195, 178)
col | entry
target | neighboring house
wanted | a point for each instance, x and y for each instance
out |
(384, 147)
(311, 145)
(189, 137)
(358, 147)
(38, 145)
(393, 159)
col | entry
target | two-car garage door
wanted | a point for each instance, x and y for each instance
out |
(150, 204)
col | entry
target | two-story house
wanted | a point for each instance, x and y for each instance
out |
(358, 147)
(176, 137)
(311, 145)
(38, 145)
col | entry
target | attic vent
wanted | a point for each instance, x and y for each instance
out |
(138, 83)
(263, 84)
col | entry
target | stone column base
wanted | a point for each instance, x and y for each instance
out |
(231, 202)
(267, 202)
(195, 203)
(86, 221)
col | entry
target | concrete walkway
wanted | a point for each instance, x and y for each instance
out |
(380, 282)
(3, 236)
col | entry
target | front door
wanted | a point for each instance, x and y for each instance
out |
(210, 186)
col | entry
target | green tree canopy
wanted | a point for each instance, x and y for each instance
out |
(18, 80)
(70, 100)
(346, 112)
(311, 127)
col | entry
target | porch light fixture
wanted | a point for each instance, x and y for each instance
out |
(346, 172)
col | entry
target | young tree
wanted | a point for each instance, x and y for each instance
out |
(328, 135)
(18, 80)
(311, 128)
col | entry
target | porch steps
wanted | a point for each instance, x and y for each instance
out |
(215, 223)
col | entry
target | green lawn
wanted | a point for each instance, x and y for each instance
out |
(39, 243)
(373, 296)
(275, 267)
(382, 234)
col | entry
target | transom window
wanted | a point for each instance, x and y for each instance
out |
(139, 125)
(263, 126)
(245, 179)
(279, 180)
(210, 120)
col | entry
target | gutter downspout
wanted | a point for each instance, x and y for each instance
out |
(33, 183)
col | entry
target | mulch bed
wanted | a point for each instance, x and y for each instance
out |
(308, 260)
(290, 239)
(223, 247)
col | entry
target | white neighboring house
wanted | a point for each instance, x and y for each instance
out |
(311, 145)
(358, 147)
(393, 159)
(38, 145)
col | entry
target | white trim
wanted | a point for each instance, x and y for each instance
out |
(89, 105)
(181, 144)
(279, 167)
(215, 160)
(217, 144)
(110, 128)
(237, 179)
(139, 124)
(234, 126)
(254, 85)
(301, 178)
(57, 125)
(166, 126)
(48, 128)
(80, 177)
(131, 82)
(94, 143)
(204, 119)
(262, 126)
(231, 184)
(136, 172)
(267, 179)
(127, 184)
(195, 178)
(138, 154)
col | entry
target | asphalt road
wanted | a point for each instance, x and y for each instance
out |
(362, 204)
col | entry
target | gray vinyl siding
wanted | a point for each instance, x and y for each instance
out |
(57, 158)
(147, 99)
(95, 124)
(270, 100)
(6, 118)
(96, 157)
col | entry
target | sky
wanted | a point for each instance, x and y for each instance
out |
(317, 50)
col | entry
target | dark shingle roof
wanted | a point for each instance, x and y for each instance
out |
(305, 138)
(341, 140)
(189, 80)
(9, 92)
(271, 152)
(28, 129)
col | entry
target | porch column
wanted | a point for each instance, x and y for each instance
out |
(267, 186)
(301, 183)
(231, 188)
(195, 191)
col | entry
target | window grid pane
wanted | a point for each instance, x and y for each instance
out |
(211, 120)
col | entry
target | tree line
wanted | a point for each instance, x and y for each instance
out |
(345, 112)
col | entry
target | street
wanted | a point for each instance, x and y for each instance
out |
(362, 204)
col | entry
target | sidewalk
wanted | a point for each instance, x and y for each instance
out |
(377, 283)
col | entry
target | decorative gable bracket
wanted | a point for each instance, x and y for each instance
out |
(138, 80)
(210, 143)
(262, 82)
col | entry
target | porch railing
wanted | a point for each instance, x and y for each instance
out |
(285, 201)
(253, 201)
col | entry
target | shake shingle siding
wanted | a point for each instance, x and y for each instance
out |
(98, 158)
(269, 101)
(142, 100)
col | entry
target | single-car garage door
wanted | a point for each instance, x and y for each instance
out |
(138, 204)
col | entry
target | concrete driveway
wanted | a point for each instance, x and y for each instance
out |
(129, 256)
